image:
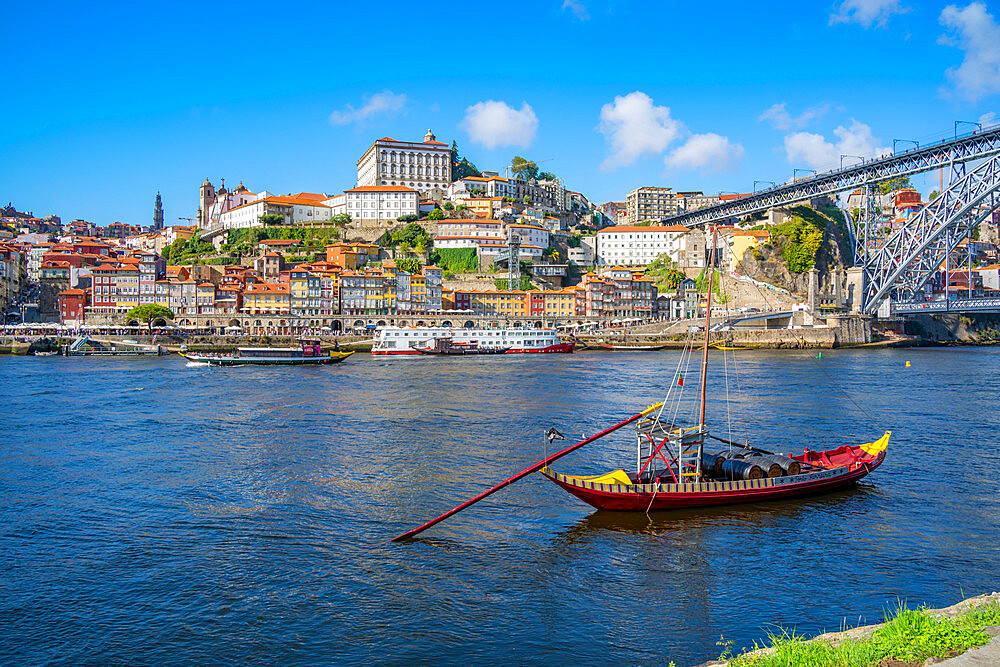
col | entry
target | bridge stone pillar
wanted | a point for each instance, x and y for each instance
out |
(854, 288)
(813, 290)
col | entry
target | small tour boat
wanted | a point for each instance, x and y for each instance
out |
(729, 345)
(630, 348)
(310, 353)
(49, 353)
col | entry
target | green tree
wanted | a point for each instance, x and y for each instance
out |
(460, 166)
(436, 214)
(527, 199)
(407, 218)
(448, 206)
(420, 246)
(268, 219)
(526, 284)
(411, 265)
(523, 168)
(893, 184)
(341, 219)
(411, 234)
(933, 195)
(546, 176)
(404, 247)
(148, 313)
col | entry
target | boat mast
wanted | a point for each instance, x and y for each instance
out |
(708, 321)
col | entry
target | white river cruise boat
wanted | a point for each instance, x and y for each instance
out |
(430, 340)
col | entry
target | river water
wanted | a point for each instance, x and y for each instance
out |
(152, 511)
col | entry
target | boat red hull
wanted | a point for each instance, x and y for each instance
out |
(645, 497)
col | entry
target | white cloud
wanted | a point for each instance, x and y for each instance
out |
(385, 102)
(782, 120)
(705, 151)
(634, 126)
(494, 124)
(577, 7)
(989, 118)
(813, 150)
(975, 31)
(867, 12)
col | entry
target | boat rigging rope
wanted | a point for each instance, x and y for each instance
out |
(673, 382)
(694, 404)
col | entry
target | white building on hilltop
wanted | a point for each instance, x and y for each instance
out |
(639, 246)
(423, 166)
(376, 203)
(303, 208)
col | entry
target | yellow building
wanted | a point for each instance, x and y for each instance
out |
(510, 303)
(740, 241)
(266, 298)
(558, 303)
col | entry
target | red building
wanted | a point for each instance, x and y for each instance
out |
(536, 304)
(72, 307)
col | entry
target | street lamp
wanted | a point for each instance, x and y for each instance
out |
(798, 169)
(854, 156)
(967, 122)
(773, 184)
(909, 141)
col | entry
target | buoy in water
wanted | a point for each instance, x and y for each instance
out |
(819, 356)
(907, 364)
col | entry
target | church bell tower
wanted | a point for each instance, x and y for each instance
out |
(207, 198)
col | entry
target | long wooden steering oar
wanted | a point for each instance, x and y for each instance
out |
(527, 471)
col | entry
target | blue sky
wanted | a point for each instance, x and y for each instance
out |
(109, 102)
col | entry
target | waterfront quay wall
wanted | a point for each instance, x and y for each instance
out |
(771, 339)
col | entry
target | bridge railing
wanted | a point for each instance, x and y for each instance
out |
(973, 304)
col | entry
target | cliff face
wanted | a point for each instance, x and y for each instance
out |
(767, 263)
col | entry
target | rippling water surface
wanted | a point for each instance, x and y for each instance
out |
(154, 512)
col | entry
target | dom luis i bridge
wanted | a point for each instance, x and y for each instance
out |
(898, 262)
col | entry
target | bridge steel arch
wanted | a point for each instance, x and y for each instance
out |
(907, 259)
(944, 154)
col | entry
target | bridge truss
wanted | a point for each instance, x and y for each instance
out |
(943, 155)
(904, 261)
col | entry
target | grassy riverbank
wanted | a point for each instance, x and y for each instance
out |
(908, 637)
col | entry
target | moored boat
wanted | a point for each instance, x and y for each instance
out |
(310, 353)
(417, 340)
(663, 489)
(630, 348)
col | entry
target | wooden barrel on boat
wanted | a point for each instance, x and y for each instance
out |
(735, 454)
(735, 469)
(711, 464)
(770, 468)
(788, 465)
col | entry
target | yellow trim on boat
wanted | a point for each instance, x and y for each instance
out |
(614, 477)
(726, 348)
(879, 445)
